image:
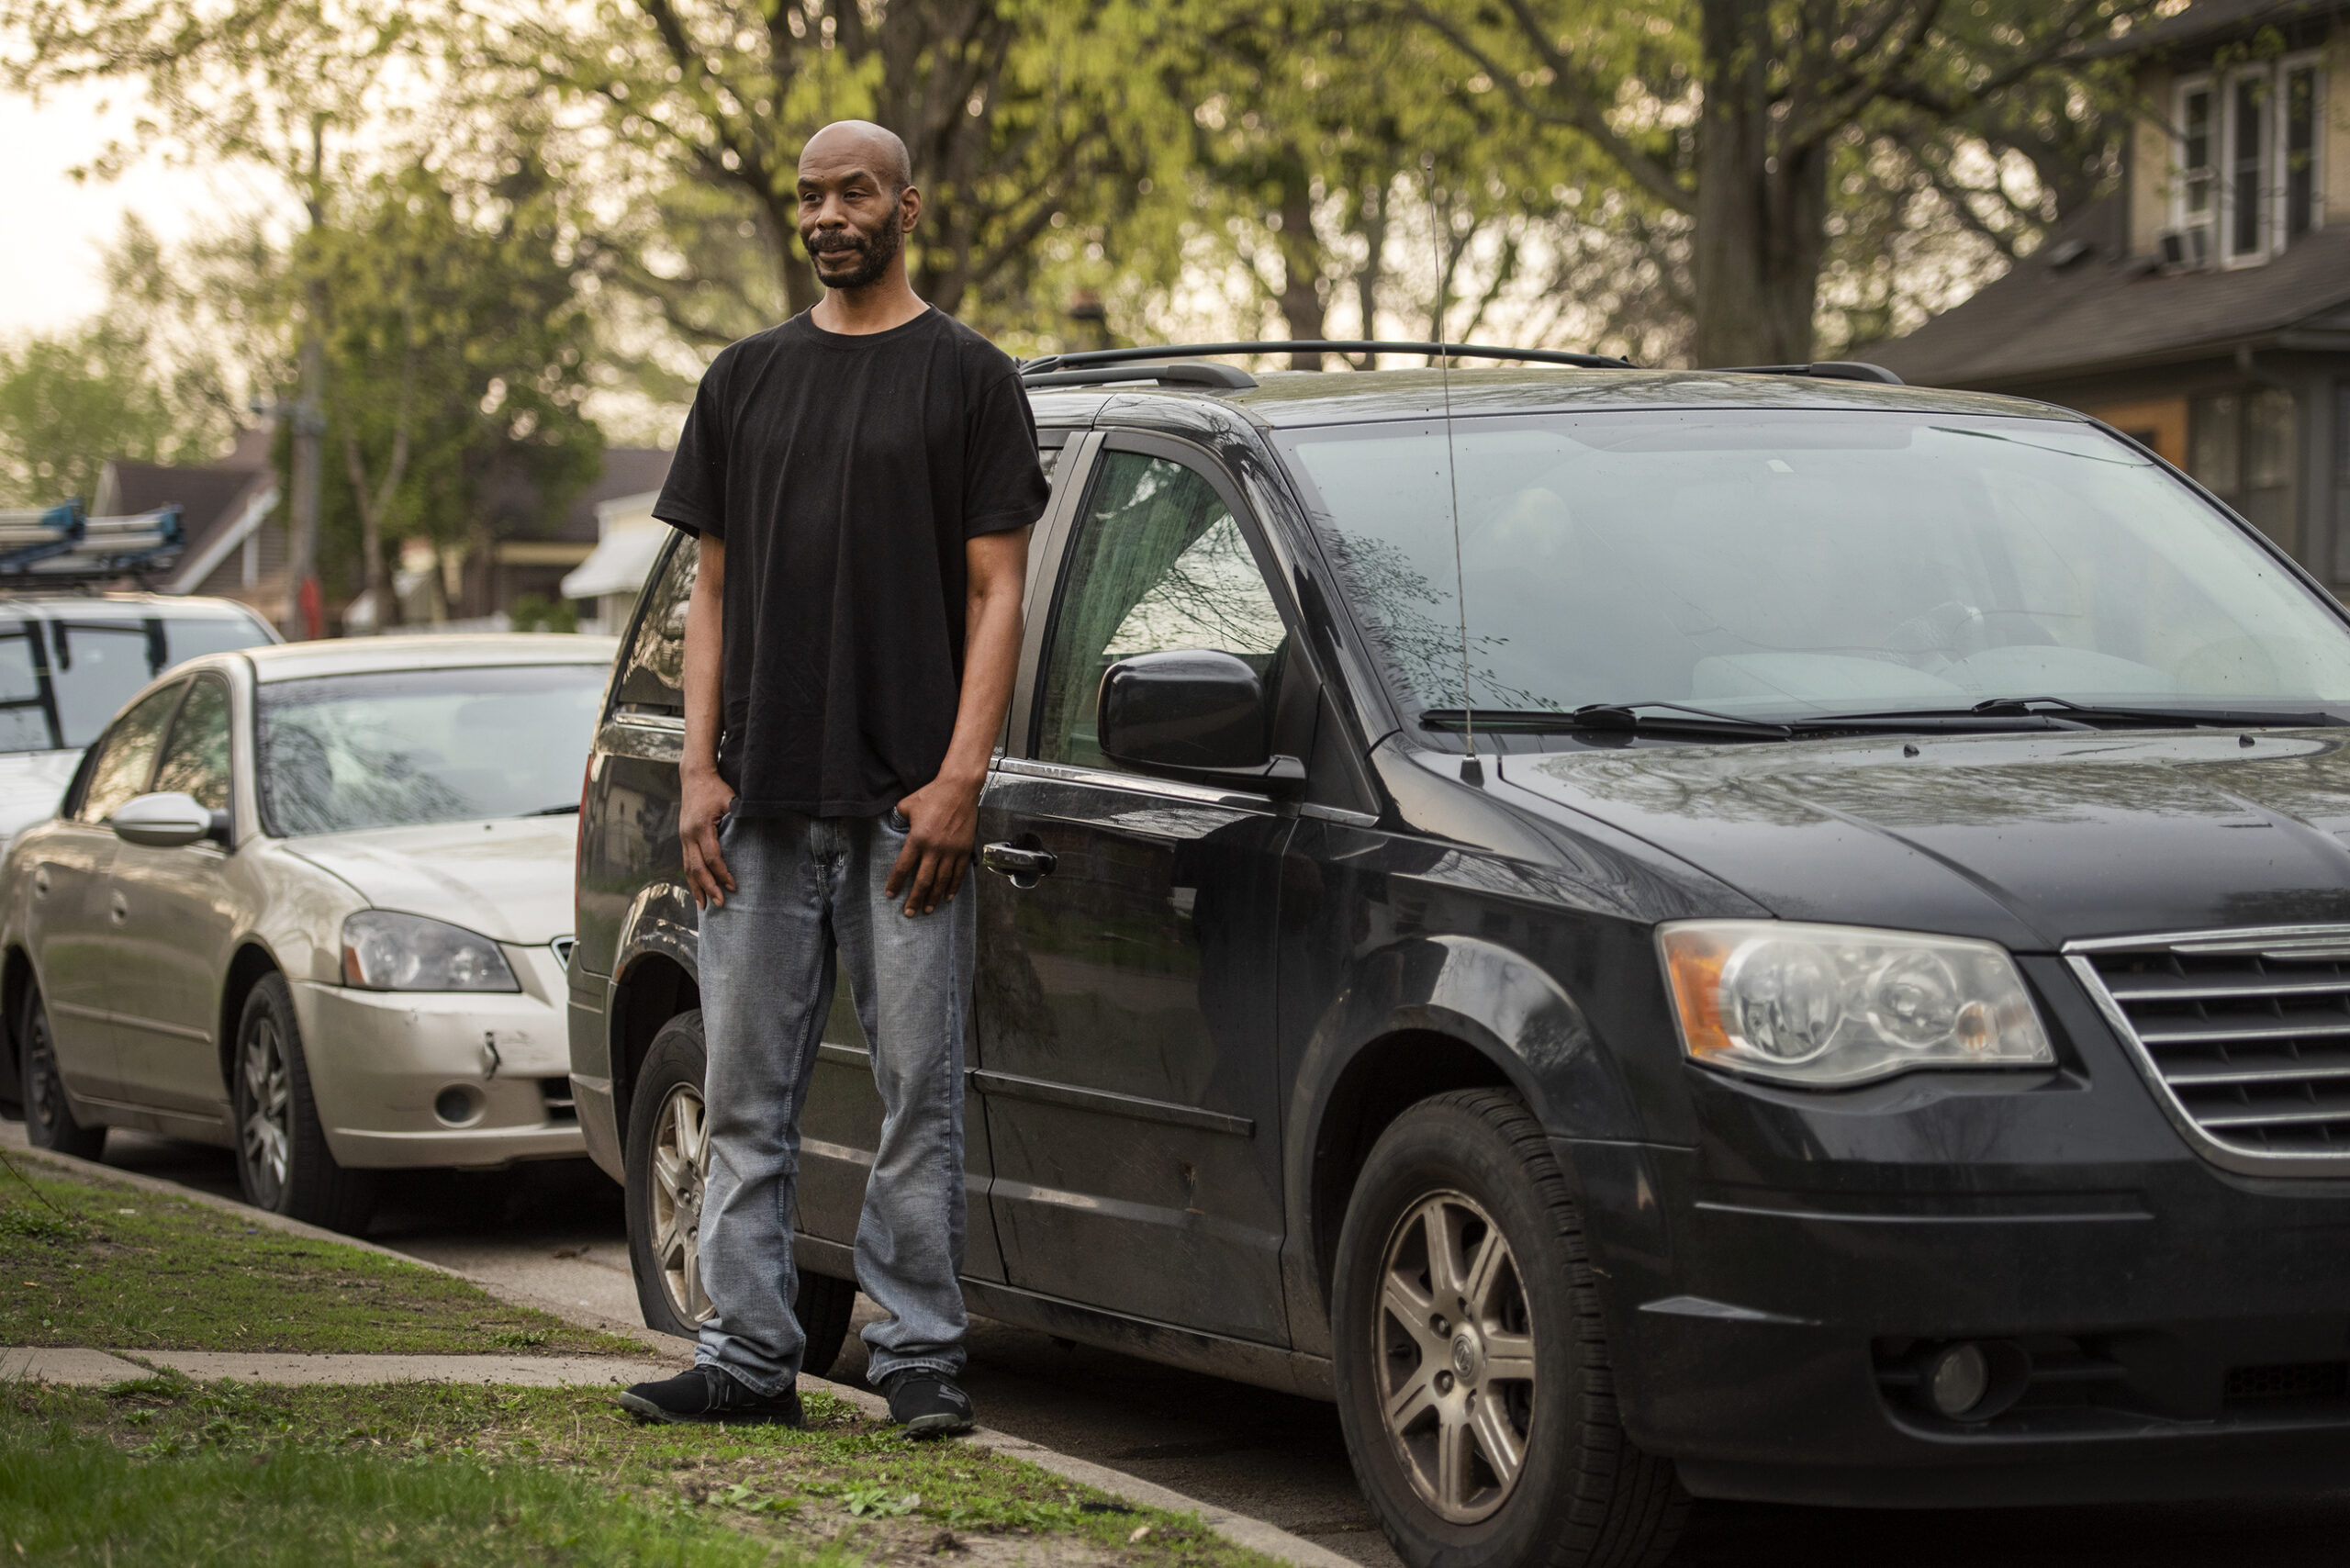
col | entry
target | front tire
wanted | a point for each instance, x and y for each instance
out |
(49, 1120)
(667, 1162)
(282, 1161)
(1472, 1364)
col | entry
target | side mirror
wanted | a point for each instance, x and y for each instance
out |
(1195, 714)
(168, 820)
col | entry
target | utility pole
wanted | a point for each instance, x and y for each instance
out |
(305, 610)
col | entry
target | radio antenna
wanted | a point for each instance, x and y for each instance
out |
(1472, 770)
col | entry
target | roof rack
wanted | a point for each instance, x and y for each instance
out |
(1823, 369)
(1094, 367)
(63, 547)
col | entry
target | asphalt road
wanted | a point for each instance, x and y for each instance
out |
(555, 1230)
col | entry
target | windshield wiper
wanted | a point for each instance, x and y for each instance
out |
(2065, 711)
(570, 808)
(1616, 718)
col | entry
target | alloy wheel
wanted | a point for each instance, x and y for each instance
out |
(1454, 1348)
(680, 1166)
(265, 1141)
(46, 1096)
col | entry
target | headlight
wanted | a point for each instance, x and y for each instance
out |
(1826, 1005)
(384, 951)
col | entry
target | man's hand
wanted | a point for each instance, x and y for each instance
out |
(942, 824)
(703, 797)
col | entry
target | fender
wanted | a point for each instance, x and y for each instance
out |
(662, 922)
(1491, 1000)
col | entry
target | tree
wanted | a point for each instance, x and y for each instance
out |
(456, 345)
(1735, 114)
(121, 385)
(1010, 108)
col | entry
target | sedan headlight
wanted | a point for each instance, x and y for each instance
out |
(1829, 1005)
(386, 951)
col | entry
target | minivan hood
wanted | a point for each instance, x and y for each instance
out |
(2029, 840)
(509, 879)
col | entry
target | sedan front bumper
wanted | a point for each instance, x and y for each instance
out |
(406, 1079)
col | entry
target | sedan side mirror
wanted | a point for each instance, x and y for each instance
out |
(1195, 714)
(168, 820)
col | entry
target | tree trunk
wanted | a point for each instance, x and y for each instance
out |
(1301, 297)
(1762, 208)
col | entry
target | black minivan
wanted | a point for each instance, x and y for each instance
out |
(1649, 934)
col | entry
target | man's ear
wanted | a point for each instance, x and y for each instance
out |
(909, 209)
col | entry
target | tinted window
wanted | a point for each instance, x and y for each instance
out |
(119, 771)
(1794, 563)
(654, 678)
(1157, 563)
(344, 753)
(61, 678)
(195, 758)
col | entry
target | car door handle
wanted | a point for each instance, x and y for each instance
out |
(1020, 862)
(40, 882)
(119, 908)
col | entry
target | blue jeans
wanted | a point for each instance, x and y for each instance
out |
(808, 897)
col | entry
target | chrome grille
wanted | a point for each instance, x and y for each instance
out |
(2245, 1034)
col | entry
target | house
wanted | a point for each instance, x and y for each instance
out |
(2204, 307)
(515, 568)
(629, 539)
(235, 543)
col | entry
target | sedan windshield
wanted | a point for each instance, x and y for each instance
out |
(398, 748)
(1787, 564)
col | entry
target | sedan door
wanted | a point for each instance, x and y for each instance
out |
(1126, 989)
(176, 917)
(73, 925)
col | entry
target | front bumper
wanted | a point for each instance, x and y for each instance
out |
(1771, 1292)
(387, 1066)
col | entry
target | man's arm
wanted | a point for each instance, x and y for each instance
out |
(943, 816)
(703, 795)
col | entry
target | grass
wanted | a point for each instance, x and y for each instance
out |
(171, 1471)
(86, 1263)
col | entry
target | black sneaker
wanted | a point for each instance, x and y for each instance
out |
(926, 1402)
(706, 1394)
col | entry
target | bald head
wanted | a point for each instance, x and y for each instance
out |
(851, 146)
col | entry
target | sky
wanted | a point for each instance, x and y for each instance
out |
(49, 269)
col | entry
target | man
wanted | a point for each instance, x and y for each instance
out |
(862, 478)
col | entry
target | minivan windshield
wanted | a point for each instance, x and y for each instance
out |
(63, 675)
(1793, 563)
(398, 748)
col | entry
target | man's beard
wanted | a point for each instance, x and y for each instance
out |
(876, 252)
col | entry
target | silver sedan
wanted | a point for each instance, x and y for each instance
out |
(312, 903)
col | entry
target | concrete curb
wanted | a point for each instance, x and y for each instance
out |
(1241, 1529)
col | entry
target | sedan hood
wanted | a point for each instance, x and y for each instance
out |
(2029, 840)
(510, 879)
(30, 784)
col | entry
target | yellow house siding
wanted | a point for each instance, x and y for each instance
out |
(2151, 156)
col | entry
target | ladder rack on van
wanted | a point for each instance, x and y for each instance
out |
(63, 547)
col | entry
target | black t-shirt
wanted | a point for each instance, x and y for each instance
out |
(844, 475)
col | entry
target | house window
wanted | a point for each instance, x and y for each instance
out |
(2240, 446)
(2248, 182)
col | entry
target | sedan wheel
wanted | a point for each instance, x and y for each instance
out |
(264, 1136)
(1471, 1363)
(282, 1161)
(49, 1120)
(667, 1165)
